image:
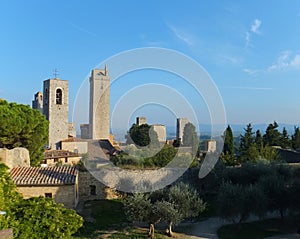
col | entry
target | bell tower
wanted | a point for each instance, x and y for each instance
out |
(56, 110)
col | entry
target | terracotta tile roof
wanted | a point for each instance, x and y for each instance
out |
(51, 154)
(36, 176)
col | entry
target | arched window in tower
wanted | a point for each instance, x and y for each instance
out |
(58, 96)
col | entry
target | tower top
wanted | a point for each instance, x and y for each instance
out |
(106, 70)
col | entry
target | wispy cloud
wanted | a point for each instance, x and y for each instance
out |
(296, 61)
(254, 29)
(247, 39)
(181, 35)
(251, 71)
(286, 60)
(255, 26)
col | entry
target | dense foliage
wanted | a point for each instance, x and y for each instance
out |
(171, 205)
(190, 138)
(256, 189)
(36, 217)
(142, 135)
(21, 126)
(228, 142)
(143, 159)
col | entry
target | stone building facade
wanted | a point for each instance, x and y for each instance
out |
(211, 145)
(56, 110)
(75, 145)
(99, 110)
(160, 131)
(141, 120)
(91, 188)
(63, 157)
(59, 183)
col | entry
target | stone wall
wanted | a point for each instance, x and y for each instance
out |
(81, 147)
(160, 131)
(65, 194)
(6, 234)
(86, 184)
(17, 157)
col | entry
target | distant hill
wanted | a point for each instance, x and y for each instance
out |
(205, 130)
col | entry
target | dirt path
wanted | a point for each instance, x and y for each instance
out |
(205, 230)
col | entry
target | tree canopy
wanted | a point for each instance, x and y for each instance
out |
(296, 138)
(256, 189)
(170, 205)
(21, 126)
(190, 137)
(272, 136)
(142, 135)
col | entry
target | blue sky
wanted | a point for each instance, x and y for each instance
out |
(251, 49)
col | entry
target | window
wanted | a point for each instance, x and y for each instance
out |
(58, 96)
(92, 189)
(48, 195)
(66, 160)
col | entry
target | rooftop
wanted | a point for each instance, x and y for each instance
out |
(51, 154)
(36, 176)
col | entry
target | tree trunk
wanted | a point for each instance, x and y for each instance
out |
(151, 231)
(169, 230)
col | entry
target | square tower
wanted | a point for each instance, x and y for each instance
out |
(37, 102)
(99, 114)
(141, 120)
(56, 110)
(181, 122)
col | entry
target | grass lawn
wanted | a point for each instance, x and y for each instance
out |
(107, 220)
(105, 215)
(260, 229)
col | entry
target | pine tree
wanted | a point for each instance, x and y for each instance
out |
(228, 142)
(272, 136)
(285, 141)
(259, 141)
(21, 126)
(248, 150)
(296, 138)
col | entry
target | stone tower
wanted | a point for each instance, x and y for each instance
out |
(181, 122)
(99, 118)
(56, 110)
(141, 120)
(37, 102)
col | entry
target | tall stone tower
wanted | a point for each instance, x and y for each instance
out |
(99, 104)
(181, 122)
(56, 110)
(37, 102)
